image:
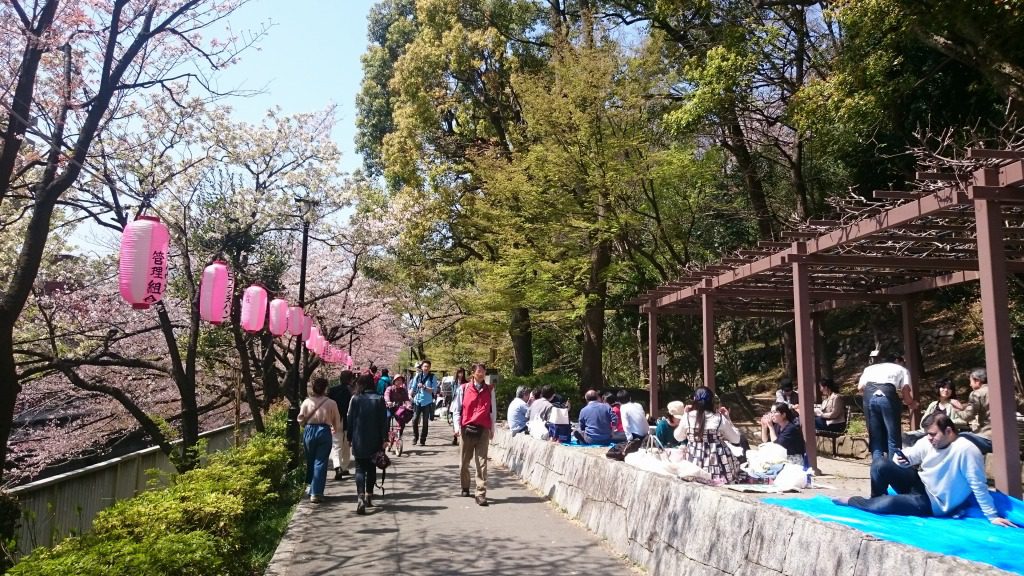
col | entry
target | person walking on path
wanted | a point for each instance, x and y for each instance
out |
(367, 431)
(341, 451)
(319, 414)
(383, 382)
(474, 415)
(397, 396)
(422, 389)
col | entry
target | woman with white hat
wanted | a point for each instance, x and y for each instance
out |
(665, 427)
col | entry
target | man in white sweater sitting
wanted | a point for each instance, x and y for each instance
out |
(951, 469)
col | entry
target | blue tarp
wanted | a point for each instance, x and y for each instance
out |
(969, 535)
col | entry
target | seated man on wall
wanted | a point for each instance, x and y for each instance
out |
(517, 411)
(951, 469)
(634, 417)
(595, 421)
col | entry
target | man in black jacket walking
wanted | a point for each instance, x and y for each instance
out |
(340, 447)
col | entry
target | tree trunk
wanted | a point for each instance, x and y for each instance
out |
(187, 457)
(245, 367)
(823, 352)
(521, 333)
(737, 145)
(9, 390)
(591, 369)
(789, 349)
(271, 382)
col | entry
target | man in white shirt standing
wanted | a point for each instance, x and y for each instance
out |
(883, 385)
(952, 469)
(634, 418)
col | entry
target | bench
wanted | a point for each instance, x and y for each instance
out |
(835, 435)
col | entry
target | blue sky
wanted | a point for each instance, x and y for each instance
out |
(308, 60)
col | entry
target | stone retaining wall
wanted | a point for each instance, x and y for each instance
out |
(675, 528)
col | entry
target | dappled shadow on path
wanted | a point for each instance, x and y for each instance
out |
(423, 526)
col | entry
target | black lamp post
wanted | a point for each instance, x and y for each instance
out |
(298, 373)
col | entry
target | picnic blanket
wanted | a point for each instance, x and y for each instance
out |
(968, 535)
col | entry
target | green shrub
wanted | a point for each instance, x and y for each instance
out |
(190, 554)
(276, 420)
(204, 523)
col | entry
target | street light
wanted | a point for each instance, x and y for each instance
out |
(307, 206)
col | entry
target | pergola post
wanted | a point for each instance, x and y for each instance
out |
(804, 355)
(998, 352)
(652, 355)
(707, 306)
(911, 358)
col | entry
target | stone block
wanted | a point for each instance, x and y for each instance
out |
(771, 532)
(725, 547)
(817, 548)
(887, 558)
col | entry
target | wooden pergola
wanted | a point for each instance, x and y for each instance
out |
(967, 227)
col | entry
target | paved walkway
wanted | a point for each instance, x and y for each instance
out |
(422, 526)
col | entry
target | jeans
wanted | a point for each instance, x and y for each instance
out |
(911, 499)
(366, 476)
(883, 426)
(983, 444)
(420, 413)
(317, 441)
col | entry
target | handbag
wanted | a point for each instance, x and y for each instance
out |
(472, 430)
(623, 449)
(381, 460)
(651, 445)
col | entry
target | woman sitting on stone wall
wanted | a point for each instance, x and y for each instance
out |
(706, 432)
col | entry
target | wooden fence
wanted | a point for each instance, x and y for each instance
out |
(64, 505)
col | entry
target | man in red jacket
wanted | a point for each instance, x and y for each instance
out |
(474, 414)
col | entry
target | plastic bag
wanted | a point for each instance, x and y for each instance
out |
(538, 429)
(689, 471)
(651, 463)
(793, 477)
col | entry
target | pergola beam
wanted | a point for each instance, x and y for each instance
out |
(857, 261)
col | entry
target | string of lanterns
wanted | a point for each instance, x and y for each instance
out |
(142, 280)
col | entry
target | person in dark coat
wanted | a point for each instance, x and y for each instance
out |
(367, 430)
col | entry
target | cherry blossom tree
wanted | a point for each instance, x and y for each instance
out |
(68, 69)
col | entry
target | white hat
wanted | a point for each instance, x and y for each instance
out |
(676, 408)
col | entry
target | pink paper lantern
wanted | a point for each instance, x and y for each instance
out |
(310, 337)
(142, 272)
(278, 324)
(216, 288)
(307, 326)
(296, 320)
(254, 308)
